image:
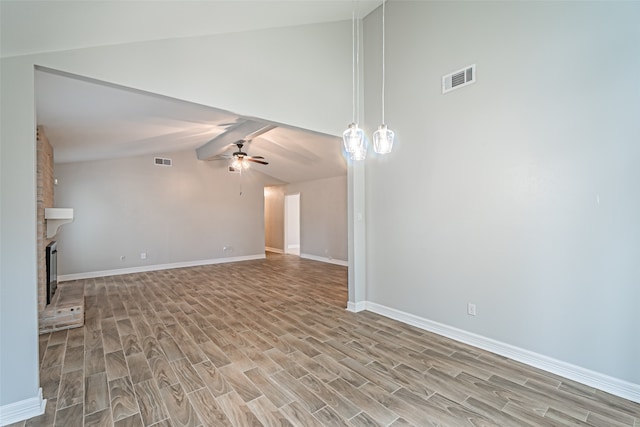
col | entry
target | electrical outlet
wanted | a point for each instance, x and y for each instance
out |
(122, 257)
(227, 249)
(471, 309)
(143, 255)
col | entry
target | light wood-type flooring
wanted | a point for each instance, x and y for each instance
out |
(269, 342)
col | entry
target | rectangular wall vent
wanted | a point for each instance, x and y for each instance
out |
(459, 78)
(161, 162)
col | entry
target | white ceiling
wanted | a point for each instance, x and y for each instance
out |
(43, 26)
(87, 120)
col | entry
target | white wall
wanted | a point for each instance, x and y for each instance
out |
(306, 69)
(18, 269)
(186, 212)
(518, 193)
(323, 217)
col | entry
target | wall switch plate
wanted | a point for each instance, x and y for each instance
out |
(471, 309)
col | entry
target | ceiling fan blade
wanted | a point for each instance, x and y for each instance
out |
(251, 159)
(257, 157)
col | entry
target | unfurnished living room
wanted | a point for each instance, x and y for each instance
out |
(319, 213)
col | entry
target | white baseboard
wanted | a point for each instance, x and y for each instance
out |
(22, 410)
(355, 307)
(156, 267)
(327, 260)
(274, 250)
(616, 386)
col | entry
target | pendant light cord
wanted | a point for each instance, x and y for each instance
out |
(357, 65)
(383, 58)
(353, 63)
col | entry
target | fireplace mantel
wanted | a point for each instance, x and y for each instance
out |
(56, 217)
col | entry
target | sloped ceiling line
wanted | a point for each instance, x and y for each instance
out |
(88, 119)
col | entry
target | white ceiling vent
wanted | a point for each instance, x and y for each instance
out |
(459, 78)
(161, 162)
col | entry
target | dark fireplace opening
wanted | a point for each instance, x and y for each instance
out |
(52, 270)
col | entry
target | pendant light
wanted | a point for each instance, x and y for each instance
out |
(354, 140)
(383, 138)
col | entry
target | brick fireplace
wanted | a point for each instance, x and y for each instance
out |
(67, 306)
(44, 193)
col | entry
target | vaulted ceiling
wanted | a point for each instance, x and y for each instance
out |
(87, 119)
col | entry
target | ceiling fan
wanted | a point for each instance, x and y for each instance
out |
(242, 155)
(241, 159)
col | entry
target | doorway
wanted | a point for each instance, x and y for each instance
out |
(292, 224)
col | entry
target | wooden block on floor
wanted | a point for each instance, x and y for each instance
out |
(66, 311)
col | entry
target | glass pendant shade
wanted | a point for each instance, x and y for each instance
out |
(239, 164)
(383, 140)
(359, 154)
(353, 139)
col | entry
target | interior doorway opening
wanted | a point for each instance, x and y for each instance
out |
(292, 224)
(274, 222)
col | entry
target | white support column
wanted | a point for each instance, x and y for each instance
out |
(357, 236)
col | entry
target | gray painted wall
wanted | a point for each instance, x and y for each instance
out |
(187, 68)
(502, 208)
(323, 217)
(518, 193)
(186, 212)
(18, 267)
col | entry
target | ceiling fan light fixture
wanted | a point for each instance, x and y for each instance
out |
(240, 164)
(383, 140)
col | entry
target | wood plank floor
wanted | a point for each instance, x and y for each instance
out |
(270, 343)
